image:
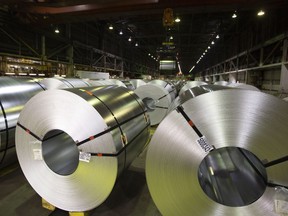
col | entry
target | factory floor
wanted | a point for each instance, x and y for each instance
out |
(130, 196)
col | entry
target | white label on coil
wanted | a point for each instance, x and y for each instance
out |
(37, 149)
(202, 142)
(84, 156)
(37, 153)
(281, 207)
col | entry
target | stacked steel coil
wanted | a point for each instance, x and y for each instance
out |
(78, 142)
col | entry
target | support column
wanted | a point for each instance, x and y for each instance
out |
(284, 69)
(70, 67)
(122, 69)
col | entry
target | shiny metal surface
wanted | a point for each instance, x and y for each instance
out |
(14, 93)
(137, 82)
(191, 84)
(128, 85)
(156, 99)
(194, 92)
(245, 119)
(108, 122)
(243, 86)
(63, 83)
(117, 82)
(99, 82)
(285, 99)
(168, 86)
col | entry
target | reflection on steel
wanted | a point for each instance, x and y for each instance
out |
(79, 141)
(191, 84)
(14, 93)
(203, 126)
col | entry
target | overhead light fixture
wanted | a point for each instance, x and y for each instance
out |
(149, 54)
(212, 43)
(136, 44)
(121, 32)
(177, 20)
(129, 39)
(217, 37)
(206, 50)
(209, 47)
(260, 13)
(56, 30)
(234, 15)
(171, 37)
(110, 27)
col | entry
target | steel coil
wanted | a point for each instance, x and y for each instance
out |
(220, 153)
(14, 93)
(194, 92)
(243, 86)
(78, 142)
(63, 83)
(128, 85)
(137, 82)
(100, 82)
(156, 99)
(117, 82)
(191, 84)
(166, 85)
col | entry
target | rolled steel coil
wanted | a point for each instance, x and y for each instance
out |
(128, 85)
(14, 93)
(137, 82)
(194, 92)
(243, 86)
(100, 82)
(63, 83)
(220, 153)
(191, 84)
(168, 86)
(117, 82)
(156, 99)
(78, 142)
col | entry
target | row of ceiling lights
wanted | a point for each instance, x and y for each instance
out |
(204, 53)
(121, 33)
(259, 13)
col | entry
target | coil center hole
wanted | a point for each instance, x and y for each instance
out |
(60, 152)
(150, 103)
(232, 176)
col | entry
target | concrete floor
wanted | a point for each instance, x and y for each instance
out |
(130, 195)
